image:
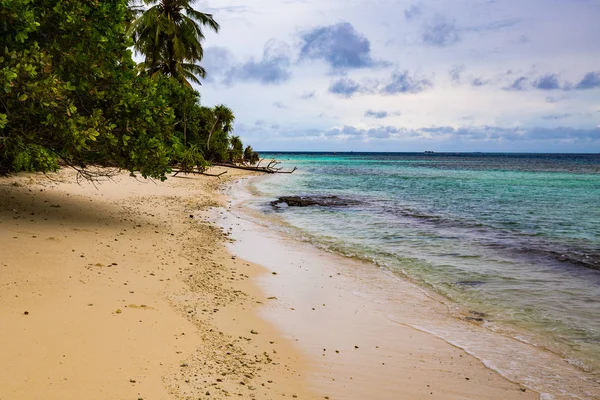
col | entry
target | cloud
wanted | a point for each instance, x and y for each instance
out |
(227, 9)
(455, 73)
(273, 68)
(556, 116)
(547, 82)
(345, 87)
(413, 12)
(381, 132)
(376, 114)
(591, 80)
(495, 134)
(495, 25)
(470, 133)
(551, 81)
(280, 105)
(215, 61)
(479, 82)
(437, 130)
(340, 45)
(518, 84)
(307, 95)
(466, 136)
(402, 82)
(441, 32)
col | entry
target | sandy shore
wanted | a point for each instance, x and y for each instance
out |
(127, 291)
(117, 293)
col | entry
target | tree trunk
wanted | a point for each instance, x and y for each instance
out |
(210, 133)
(185, 128)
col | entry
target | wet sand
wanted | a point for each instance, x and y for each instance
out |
(337, 311)
(128, 291)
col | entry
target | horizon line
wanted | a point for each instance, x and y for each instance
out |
(419, 152)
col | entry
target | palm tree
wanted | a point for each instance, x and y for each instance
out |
(251, 157)
(169, 35)
(236, 151)
(222, 120)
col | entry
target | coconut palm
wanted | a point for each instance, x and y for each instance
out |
(169, 35)
(222, 120)
(236, 151)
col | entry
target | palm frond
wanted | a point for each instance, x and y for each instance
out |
(169, 34)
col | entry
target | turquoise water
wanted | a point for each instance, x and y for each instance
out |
(513, 237)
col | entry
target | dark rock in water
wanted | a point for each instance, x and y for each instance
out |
(578, 258)
(326, 201)
(477, 314)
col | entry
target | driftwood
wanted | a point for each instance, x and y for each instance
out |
(177, 171)
(271, 167)
(217, 175)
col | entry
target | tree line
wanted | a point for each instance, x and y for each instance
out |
(72, 93)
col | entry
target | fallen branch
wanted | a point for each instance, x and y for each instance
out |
(217, 175)
(286, 172)
(269, 169)
(177, 171)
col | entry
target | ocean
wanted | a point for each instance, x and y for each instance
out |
(510, 241)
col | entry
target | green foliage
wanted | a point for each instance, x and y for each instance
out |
(69, 86)
(236, 151)
(189, 158)
(221, 125)
(169, 35)
(15, 156)
(70, 91)
(250, 156)
(205, 129)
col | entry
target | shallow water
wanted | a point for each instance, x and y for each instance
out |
(515, 238)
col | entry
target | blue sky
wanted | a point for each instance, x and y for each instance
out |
(385, 75)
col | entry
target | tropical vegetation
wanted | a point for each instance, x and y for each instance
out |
(169, 35)
(71, 93)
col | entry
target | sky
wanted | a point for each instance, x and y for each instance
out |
(386, 75)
